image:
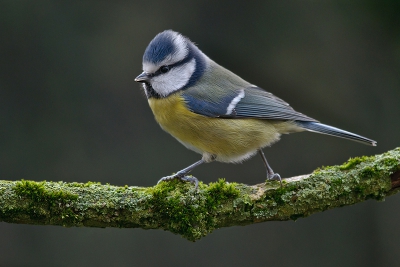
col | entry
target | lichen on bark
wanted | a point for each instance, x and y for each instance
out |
(179, 208)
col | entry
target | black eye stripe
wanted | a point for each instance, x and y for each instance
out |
(162, 70)
(158, 72)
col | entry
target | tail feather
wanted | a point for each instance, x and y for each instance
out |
(329, 130)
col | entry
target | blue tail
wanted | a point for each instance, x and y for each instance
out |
(329, 130)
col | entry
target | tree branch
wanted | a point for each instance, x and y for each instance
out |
(177, 207)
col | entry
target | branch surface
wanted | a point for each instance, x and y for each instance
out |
(179, 208)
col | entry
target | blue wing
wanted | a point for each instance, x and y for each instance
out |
(250, 102)
(203, 104)
(258, 103)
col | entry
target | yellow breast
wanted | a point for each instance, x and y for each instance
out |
(231, 140)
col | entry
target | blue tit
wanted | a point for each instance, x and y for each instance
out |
(214, 112)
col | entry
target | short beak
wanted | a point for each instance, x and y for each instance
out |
(142, 78)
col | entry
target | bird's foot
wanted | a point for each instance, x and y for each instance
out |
(274, 176)
(183, 177)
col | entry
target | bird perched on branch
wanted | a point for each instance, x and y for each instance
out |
(214, 112)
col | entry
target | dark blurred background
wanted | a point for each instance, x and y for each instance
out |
(70, 110)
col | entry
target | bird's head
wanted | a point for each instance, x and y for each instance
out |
(171, 62)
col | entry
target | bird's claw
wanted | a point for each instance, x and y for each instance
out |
(275, 176)
(192, 180)
(183, 178)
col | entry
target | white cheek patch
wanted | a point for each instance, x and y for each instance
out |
(175, 79)
(234, 102)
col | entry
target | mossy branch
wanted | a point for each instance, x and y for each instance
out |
(177, 207)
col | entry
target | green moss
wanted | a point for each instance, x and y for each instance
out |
(390, 163)
(177, 207)
(327, 168)
(176, 212)
(277, 194)
(45, 201)
(90, 183)
(368, 172)
(189, 213)
(222, 190)
(352, 162)
(360, 190)
(81, 185)
(30, 189)
(36, 191)
(336, 182)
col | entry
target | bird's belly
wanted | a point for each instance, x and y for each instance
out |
(231, 140)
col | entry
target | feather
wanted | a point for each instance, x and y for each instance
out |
(330, 130)
(221, 93)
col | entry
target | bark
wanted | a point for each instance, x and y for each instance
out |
(179, 208)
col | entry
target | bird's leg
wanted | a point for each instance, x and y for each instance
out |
(182, 174)
(270, 173)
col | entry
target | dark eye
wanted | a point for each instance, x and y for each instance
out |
(164, 69)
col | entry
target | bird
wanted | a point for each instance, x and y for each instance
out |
(213, 111)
